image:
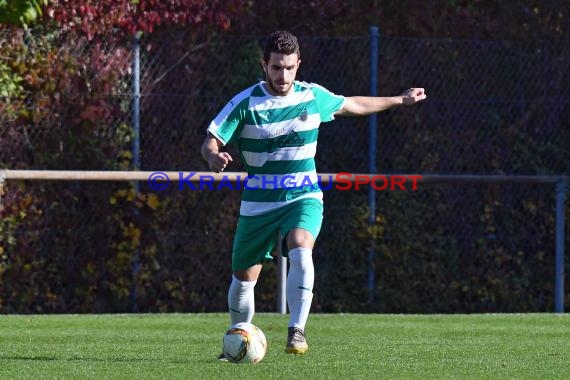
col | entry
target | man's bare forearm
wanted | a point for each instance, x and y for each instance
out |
(210, 148)
(217, 161)
(366, 105)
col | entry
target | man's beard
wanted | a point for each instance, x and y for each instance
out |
(276, 90)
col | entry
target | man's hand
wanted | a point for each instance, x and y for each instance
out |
(218, 162)
(413, 96)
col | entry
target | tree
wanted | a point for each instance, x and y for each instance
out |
(515, 20)
(21, 12)
(125, 17)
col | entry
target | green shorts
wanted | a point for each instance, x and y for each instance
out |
(256, 236)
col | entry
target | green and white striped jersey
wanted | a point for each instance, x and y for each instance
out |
(276, 137)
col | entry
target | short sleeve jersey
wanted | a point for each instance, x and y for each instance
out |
(276, 137)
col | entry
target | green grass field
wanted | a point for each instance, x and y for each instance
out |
(341, 346)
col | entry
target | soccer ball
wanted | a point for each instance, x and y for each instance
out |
(244, 343)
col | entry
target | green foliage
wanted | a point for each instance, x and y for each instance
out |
(10, 92)
(10, 83)
(60, 111)
(21, 12)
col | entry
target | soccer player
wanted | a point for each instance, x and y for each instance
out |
(274, 126)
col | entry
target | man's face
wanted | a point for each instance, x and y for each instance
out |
(280, 72)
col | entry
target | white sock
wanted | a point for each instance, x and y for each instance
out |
(241, 300)
(300, 282)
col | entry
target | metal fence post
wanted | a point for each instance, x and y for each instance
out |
(136, 97)
(560, 188)
(372, 127)
(281, 278)
(136, 101)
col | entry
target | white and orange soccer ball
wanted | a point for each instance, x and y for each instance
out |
(244, 343)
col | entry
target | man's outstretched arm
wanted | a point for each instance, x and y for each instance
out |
(366, 105)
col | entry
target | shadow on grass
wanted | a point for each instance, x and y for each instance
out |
(45, 358)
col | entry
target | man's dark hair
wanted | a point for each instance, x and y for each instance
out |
(282, 42)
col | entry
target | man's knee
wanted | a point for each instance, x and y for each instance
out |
(249, 274)
(299, 237)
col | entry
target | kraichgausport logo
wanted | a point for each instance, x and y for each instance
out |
(342, 181)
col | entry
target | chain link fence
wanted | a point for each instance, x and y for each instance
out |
(492, 108)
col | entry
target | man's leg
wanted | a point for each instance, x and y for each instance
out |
(241, 299)
(300, 282)
(253, 242)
